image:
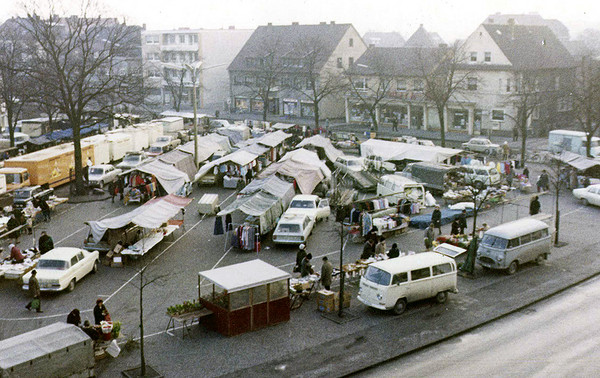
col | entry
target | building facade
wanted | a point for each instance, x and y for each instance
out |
(280, 62)
(166, 53)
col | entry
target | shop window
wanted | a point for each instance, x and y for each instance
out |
(351, 42)
(472, 83)
(239, 299)
(473, 56)
(419, 274)
(487, 56)
(278, 290)
(400, 85)
(497, 115)
(259, 294)
(339, 63)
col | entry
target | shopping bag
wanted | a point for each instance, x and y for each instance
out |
(35, 303)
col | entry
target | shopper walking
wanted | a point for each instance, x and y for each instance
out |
(34, 291)
(326, 273)
(534, 206)
(436, 218)
(429, 236)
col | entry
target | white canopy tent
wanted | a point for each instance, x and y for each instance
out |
(307, 176)
(397, 151)
(171, 178)
(283, 126)
(244, 275)
(273, 139)
(151, 215)
(304, 156)
(331, 152)
(239, 157)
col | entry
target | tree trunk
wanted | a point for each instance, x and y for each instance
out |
(142, 357)
(316, 105)
(375, 121)
(442, 126)
(79, 184)
(265, 108)
(11, 126)
(588, 137)
(523, 142)
(475, 212)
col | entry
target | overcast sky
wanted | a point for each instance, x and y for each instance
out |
(450, 18)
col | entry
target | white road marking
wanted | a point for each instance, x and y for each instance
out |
(82, 228)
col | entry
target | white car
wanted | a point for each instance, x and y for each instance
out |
(589, 195)
(481, 176)
(102, 174)
(350, 163)
(481, 145)
(377, 163)
(311, 205)
(61, 268)
(293, 229)
(132, 160)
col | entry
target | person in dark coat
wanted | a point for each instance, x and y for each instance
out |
(74, 317)
(462, 221)
(45, 209)
(526, 172)
(100, 311)
(34, 291)
(368, 249)
(45, 243)
(436, 218)
(534, 206)
(429, 236)
(326, 273)
(305, 267)
(455, 227)
(394, 252)
(299, 257)
(543, 181)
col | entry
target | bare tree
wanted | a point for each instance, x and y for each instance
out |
(264, 75)
(175, 81)
(558, 178)
(313, 76)
(15, 83)
(443, 74)
(87, 64)
(585, 99)
(371, 83)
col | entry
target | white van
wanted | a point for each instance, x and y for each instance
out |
(481, 176)
(392, 284)
(514, 243)
(398, 187)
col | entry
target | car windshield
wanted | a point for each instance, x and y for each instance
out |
(96, 171)
(23, 194)
(354, 163)
(155, 150)
(289, 228)
(493, 241)
(378, 276)
(53, 264)
(13, 178)
(162, 139)
(132, 158)
(481, 172)
(302, 204)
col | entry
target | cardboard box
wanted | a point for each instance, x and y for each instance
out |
(326, 300)
(117, 262)
(347, 299)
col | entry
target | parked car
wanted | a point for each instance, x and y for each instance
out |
(350, 163)
(132, 160)
(102, 174)
(480, 176)
(28, 193)
(481, 145)
(311, 205)
(158, 149)
(589, 195)
(344, 140)
(378, 164)
(61, 268)
(169, 140)
(293, 229)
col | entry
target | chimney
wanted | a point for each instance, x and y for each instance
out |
(270, 24)
(332, 22)
(143, 26)
(231, 27)
(295, 23)
(323, 23)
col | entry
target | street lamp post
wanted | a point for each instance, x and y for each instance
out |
(194, 69)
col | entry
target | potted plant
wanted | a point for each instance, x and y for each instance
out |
(116, 329)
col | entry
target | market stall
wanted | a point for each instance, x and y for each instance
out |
(378, 214)
(234, 166)
(322, 144)
(152, 220)
(245, 297)
(397, 151)
(12, 271)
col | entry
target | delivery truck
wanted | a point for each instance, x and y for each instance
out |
(15, 177)
(53, 165)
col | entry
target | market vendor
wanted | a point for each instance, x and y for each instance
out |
(306, 268)
(45, 243)
(90, 330)
(100, 312)
(15, 254)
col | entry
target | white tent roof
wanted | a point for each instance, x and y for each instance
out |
(171, 178)
(331, 152)
(273, 139)
(152, 214)
(397, 151)
(244, 275)
(283, 126)
(239, 157)
(205, 148)
(307, 176)
(172, 113)
(304, 156)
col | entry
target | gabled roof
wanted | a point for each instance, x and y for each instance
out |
(384, 39)
(396, 61)
(286, 39)
(423, 38)
(530, 47)
(557, 27)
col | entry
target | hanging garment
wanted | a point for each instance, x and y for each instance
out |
(218, 226)
(367, 223)
(228, 222)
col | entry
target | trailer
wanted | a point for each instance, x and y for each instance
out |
(56, 350)
(52, 166)
(101, 148)
(120, 144)
(139, 138)
(171, 124)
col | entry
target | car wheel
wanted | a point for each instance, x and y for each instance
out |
(95, 268)
(400, 306)
(486, 151)
(71, 286)
(540, 259)
(441, 297)
(512, 268)
(585, 202)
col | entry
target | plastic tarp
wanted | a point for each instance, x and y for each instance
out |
(39, 343)
(235, 133)
(274, 139)
(255, 149)
(273, 185)
(171, 178)
(307, 176)
(180, 160)
(208, 140)
(397, 151)
(581, 163)
(205, 149)
(152, 215)
(239, 157)
(331, 152)
(244, 275)
(302, 155)
(423, 221)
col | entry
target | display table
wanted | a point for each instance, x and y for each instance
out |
(208, 204)
(12, 271)
(186, 321)
(146, 244)
(230, 182)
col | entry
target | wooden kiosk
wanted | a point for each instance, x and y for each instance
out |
(244, 297)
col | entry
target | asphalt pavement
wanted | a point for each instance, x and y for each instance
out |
(308, 345)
